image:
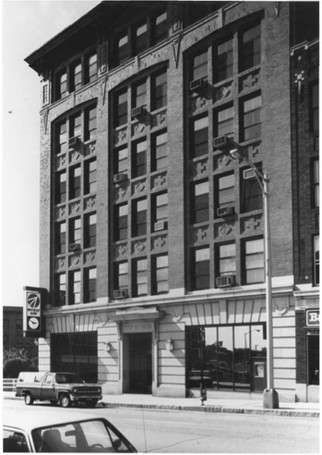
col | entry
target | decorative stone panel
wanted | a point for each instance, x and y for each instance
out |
(120, 192)
(223, 92)
(159, 181)
(121, 251)
(223, 231)
(90, 148)
(90, 257)
(222, 162)
(253, 151)
(61, 161)
(74, 156)
(120, 137)
(249, 81)
(159, 120)
(199, 235)
(159, 243)
(197, 103)
(199, 168)
(139, 187)
(75, 260)
(60, 212)
(90, 203)
(139, 247)
(60, 264)
(75, 208)
(251, 225)
(140, 128)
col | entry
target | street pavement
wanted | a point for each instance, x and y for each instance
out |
(218, 404)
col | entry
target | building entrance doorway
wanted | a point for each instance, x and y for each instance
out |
(137, 361)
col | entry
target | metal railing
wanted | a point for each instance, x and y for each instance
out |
(9, 385)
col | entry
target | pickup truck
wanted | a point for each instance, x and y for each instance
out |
(62, 388)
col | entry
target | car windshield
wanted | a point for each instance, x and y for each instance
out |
(65, 378)
(95, 435)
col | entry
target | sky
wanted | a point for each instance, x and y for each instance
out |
(26, 25)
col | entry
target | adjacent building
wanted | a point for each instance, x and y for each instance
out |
(152, 235)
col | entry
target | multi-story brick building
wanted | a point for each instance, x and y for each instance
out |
(152, 236)
(13, 331)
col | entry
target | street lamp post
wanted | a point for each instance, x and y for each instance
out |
(270, 396)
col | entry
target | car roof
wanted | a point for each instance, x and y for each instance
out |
(28, 419)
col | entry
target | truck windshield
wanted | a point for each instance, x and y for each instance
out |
(65, 378)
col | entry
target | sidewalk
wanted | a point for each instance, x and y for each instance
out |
(227, 405)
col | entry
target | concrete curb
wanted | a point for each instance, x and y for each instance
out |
(215, 409)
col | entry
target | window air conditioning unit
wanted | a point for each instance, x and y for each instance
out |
(225, 211)
(119, 178)
(137, 111)
(225, 281)
(221, 142)
(160, 226)
(197, 84)
(73, 142)
(120, 294)
(74, 247)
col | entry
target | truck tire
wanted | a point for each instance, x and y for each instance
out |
(92, 403)
(64, 400)
(28, 399)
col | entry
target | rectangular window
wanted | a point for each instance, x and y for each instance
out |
(75, 231)
(139, 159)
(251, 118)
(60, 238)
(90, 221)
(90, 70)
(200, 203)
(74, 287)
(123, 49)
(120, 113)
(160, 207)
(160, 27)
(121, 161)
(141, 38)
(140, 281)
(227, 259)
(316, 183)
(223, 60)
(139, 94)
(61, 137)
(225, 194)
(121, 276)
(314, 107)
(200, 272)
(60, 187)
(316, 259)
(159, 90)
(121, 222)
(250, 48)
(199, 141)
(5, 324)
(89, 285)
(75, 76)
(75, 182)
(254, 261)
(60, 289)
(61, 85)
(75, 126)
(90, 124)
(251, 193)
(90, 178)
(161, 275)
(139, 217)
(160, 151)
(224, 122)
(200, 66)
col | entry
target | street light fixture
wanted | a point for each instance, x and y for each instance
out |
(270, 396)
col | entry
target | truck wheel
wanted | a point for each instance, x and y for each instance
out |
(28, 399)
(64, 400)
(91, 403)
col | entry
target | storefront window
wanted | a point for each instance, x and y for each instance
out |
(226, 357)
(313, 359)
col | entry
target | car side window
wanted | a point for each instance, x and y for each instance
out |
(50, 379)
(14, 441)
